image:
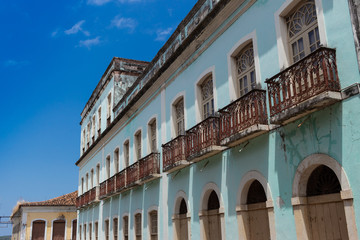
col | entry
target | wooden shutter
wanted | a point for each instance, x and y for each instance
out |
(58, 230)
(38, 230)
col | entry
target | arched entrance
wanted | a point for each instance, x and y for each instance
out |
(181, 220)
(322, 200)
(212, 215)
(255, 213)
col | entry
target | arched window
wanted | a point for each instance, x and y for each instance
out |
(108, 167)
(115, 228)
(107, 229)
(302, 28)
(137, 138)
(207, 97)
(179, 117)
(73, 229)
(87, 181)
(138, 230)
(97, 175)
(126, 153)
(92, 178)
(116, 160)
(152, 135)
(153, 225)
(38, 230)
(245, 67)
(59, 230)
(126, 227)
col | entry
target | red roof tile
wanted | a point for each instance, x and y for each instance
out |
(64, 200)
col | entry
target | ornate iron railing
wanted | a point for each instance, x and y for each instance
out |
(92, 194)
(308, 77)
(103, 189)
(110, 188)
(120, 180)
(78, 201)
(201, 136)
(132, 174)
(246, 111)
(173, 152)
(149, 165)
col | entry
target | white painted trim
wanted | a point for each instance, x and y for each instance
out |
(97, 173)
(281, 29)
(71, 229)
(154, 117)
(233, 83)
(150, 209)
(307, 166)
(245, 183)
(127, 140)
(117, 147)
(139, 129)
(126, 214)
(173, 114)
(207, 189)
(202, 77)
(52, 227)
(37, 219)
(142, 222)
(106, 175)
(178, 197)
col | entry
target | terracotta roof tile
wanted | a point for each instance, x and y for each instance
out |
(64, 200)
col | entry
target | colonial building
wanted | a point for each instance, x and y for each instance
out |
(243, 126)
(51, 219)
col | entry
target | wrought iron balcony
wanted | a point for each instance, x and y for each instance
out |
(305, 86)
(174, 154)
(78, 202)
(203, 140)
(102, 190)
(94, 194)
(120, 183)
(110, 185)
(86, 198)
(244, 118)
(149, 167)
(132, 175)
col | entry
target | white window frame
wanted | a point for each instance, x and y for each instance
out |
(117, 159)
(136, 145)
(108, 166)
(52, 227)
(138, 211)
(123, 225)
(126, 153)
(232, 71)
(37, 219)
(173, 118)
(149, 224)
(285, 57)
(152, 120)
(198, 96)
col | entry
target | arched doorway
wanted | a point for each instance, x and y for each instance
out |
(255, 211)
(38, 230)
(58, 230)
(212, 214)
(322, 200)
(181, 221)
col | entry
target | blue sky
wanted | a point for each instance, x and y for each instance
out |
(52, 55)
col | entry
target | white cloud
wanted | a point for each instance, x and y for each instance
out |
(77, 28)
(97, 2)
(15, 63)
(88, 43)
(162, 34)
(55, 33)
(124, 23)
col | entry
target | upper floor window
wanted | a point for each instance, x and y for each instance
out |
(246, 69)
(108, 112)
(179, 117)
(92, 178)
(90, 231)
(115, 228)
(152, 136)
(116, 159)
(108, 167)
(138, 145)
(80, 233)
(207, 97)
(83, 141)
(303, 31)
(153, 225)
(126, 227)
(99, 121)
(88, 135)
(87, 182)
(82, 185)
(138, 226)
(84, 231)
(126, 154)
(97, 175)
(93, 129)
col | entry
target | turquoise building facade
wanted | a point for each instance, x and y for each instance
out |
(243, 126)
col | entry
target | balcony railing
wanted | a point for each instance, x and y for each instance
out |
(203, 139)
(132, 174)
(120, 181)
(110, 185)
(78, 201)
(174, 154)
(92, 196)
(149, 167)
(243, 118)
(307, 78)
(103, 189)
